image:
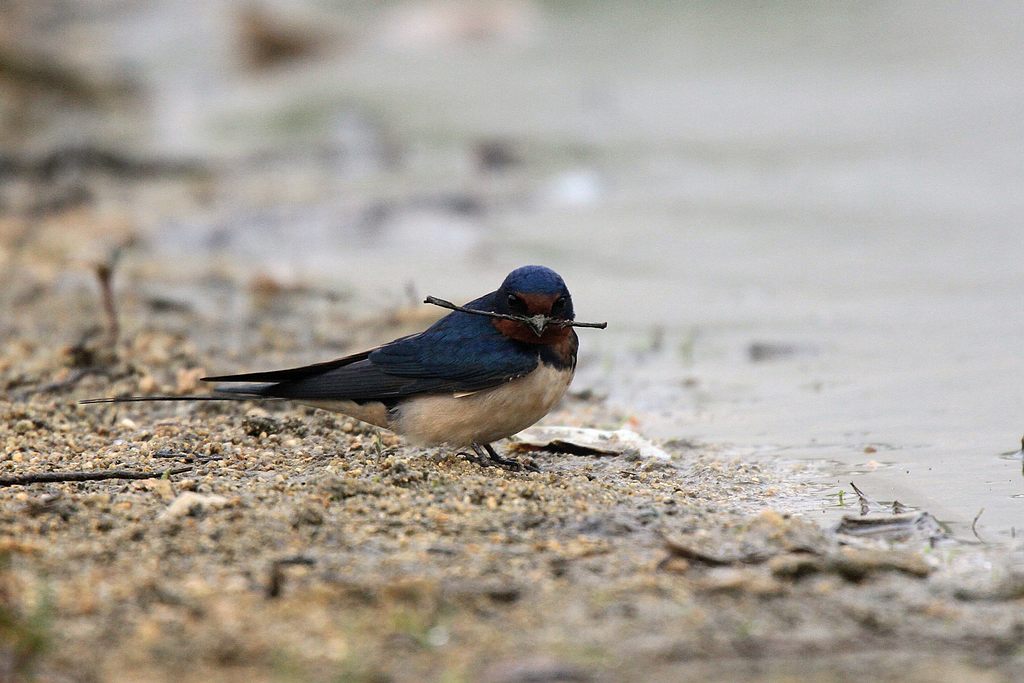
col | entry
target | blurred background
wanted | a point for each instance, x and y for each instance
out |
(803, 221)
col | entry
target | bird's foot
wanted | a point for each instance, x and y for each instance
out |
(486, 456)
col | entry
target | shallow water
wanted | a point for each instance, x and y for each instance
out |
(840, 186)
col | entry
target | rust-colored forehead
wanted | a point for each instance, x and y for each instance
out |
(538, 303)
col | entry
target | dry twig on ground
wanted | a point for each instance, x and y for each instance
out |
(97, 475)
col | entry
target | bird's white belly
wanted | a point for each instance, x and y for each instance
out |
(482, 416)
(374, 412)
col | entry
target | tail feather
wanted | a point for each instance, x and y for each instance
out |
(291, 374)
(255, 390)
(248, 393)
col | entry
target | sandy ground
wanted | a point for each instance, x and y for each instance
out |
(301, 545)
(804, 248)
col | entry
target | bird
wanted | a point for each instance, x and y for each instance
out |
(480, 374)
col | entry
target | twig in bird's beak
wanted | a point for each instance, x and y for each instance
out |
(537, 323)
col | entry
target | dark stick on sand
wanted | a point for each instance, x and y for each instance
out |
(105, 275)
(276, 583)
(864, 503)
(974, 525)
(529, 320)
(98, 475)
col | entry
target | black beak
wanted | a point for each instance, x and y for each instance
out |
(537, 323)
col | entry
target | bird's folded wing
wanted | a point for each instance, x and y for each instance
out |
(447, 358)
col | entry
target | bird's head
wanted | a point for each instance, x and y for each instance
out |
(538, 294)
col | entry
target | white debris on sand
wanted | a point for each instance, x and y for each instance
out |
(584, 441)
(191, 503)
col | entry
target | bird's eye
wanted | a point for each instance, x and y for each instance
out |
(515, 304)
(558, 308)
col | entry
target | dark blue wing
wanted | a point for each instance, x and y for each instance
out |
(460, 352)
(460, 347)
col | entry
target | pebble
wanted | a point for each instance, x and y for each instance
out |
(191, 503)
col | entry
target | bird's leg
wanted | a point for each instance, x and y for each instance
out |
(476, 456)
(508, 463)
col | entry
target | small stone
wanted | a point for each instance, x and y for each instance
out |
(536, 669)
(856, 564)
(795, 565)
(192, 504)
(674, 565)
(187, 380)
(735, 580)
(148, 384)
(307, 514)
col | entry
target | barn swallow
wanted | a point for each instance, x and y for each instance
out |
(483, 372)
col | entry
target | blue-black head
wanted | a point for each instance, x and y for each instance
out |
(532, 291)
